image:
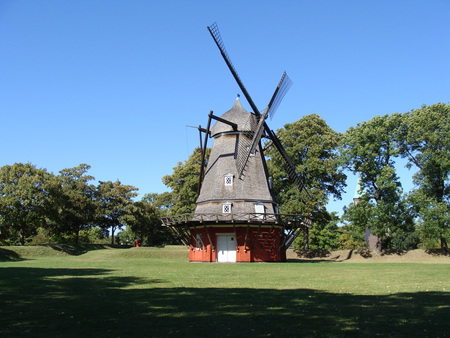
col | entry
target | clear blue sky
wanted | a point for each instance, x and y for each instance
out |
(114, 83)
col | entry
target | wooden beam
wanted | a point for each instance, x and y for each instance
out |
(209, 238)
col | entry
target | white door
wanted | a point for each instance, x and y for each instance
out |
(226, 248)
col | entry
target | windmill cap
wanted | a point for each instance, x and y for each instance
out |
(244, 120)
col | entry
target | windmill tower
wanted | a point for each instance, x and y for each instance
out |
(236, 218)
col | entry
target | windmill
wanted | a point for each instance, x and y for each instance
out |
(236, 216)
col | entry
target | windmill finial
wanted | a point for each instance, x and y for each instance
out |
(238, 95)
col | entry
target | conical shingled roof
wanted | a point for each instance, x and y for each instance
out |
(243, 193)
(245, 120)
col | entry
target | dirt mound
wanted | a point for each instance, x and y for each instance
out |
(351, 256)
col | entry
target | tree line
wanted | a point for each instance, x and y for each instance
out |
(38, 207)
(67, 206)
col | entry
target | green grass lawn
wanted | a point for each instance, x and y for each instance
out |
(110, 292)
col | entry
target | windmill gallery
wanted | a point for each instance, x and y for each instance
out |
(236, 217)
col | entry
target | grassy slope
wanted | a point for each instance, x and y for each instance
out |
(155, 292)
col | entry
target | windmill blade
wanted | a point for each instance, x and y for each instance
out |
(214, 31)
(283, 87)
(297, 178)
(244, 155)
(247, 146)
(203, 153)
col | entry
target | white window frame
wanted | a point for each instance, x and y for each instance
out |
(260, 210)
(226, 208)
(228, 180)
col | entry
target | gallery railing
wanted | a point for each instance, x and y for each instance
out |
(257, 218)
(185, 225)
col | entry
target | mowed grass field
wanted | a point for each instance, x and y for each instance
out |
(154, 292)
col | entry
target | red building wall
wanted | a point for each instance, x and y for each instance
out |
(253, 243)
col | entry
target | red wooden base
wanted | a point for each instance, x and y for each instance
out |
(243, 243)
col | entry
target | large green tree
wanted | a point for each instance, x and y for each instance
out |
(115, 205)
(73, 198)
(23, 199)
(424, 140)
(314, 149)
(369, 150)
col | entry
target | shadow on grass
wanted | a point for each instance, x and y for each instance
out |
(305, 260)
(438, 252)
(9, 255)
(97, 303)
(32, 251)
(79, 249)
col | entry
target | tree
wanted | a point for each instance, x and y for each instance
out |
(323, 236)
(356, 219)
(424, 140)
(73, 202)
(114, 205)
(369, 150)
(23, 199)
(147, 224)
(433, 219)
(162, 202)
(183, 183)
(314, 148)
(126, 236)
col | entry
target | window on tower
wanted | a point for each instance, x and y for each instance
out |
(259, 210)
(226, 208)
(228, 180)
